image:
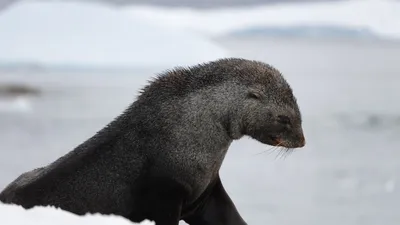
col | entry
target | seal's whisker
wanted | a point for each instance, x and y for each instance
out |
(279, 155)
(288, 151)
(268, 151)
(284, 153)
(273, 150)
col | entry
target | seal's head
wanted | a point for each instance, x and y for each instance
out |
(272, 115)
(246, 97)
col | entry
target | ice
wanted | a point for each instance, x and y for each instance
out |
(94, 35)
(16, 215)
(381, 17)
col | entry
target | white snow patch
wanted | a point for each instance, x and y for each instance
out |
(16, 215)
(94, 35)
(382, 17)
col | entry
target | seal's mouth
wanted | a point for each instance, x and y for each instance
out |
(275, 141)
(280, 142)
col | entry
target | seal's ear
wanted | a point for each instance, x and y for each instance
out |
(255, 94)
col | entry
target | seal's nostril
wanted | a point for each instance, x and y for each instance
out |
(302, 141)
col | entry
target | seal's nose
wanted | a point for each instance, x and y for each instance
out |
(302, 141)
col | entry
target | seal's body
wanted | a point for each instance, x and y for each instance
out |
(160, 159)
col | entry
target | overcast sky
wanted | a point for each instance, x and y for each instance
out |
(203, 3)
(183, 3)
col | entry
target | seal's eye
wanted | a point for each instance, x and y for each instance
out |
(284, 120)
(254, 95)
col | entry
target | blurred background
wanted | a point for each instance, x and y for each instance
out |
(67, 68)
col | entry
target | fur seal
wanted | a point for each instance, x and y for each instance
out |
(160, 159)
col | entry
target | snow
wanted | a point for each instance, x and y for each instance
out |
(381, 17)
(77, 34)
(16, 215)
(94, 35)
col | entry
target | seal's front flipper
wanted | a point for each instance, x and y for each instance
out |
(218, 209)
(159, 199)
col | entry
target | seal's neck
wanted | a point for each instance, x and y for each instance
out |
(213, 110)
(222, 103)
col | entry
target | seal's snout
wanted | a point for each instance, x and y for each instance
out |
(288, 142)
(302, 141)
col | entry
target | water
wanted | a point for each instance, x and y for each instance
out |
(348, 173)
